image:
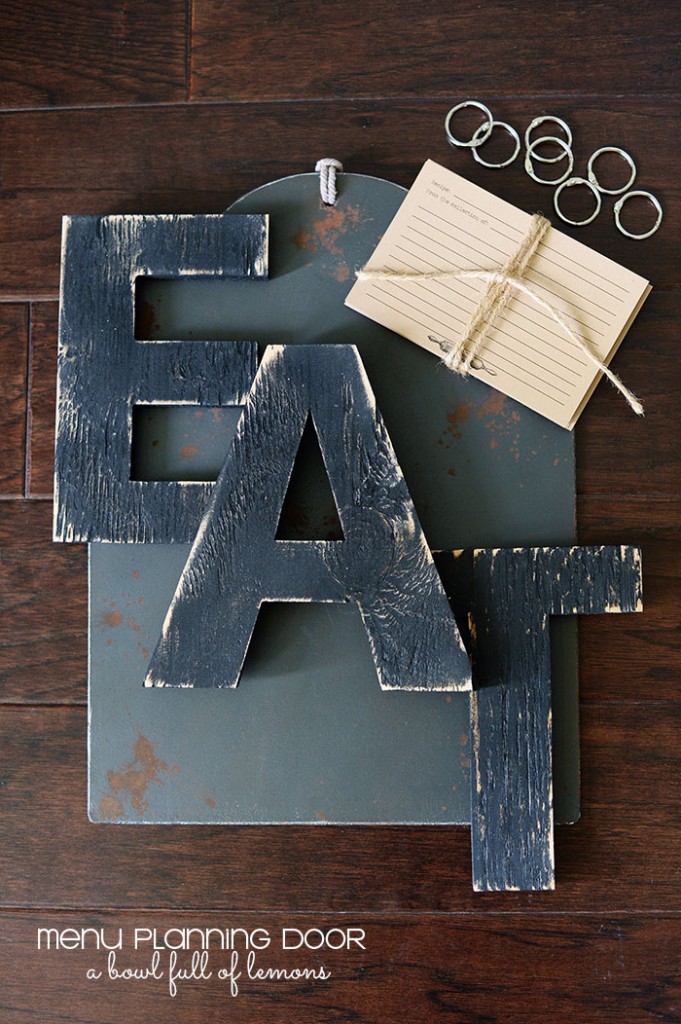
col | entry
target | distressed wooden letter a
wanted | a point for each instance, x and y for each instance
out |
(383, 563)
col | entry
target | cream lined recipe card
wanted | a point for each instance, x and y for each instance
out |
(446, 225)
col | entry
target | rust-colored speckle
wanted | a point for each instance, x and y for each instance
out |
(451, 472)
(461, 413)
(456, 418)
(198, 413)
(189, 451)
(110, 807)
(136, 573)
(556, 461)
(463, 739)
(303, 240)
(448, 698)
(146, 324)
(209, 801)
(502, 419)
(133, 780)
(493, 406)
(321, 815)
(155, 443)
(326, 234)
(113, 618)
(145, 651)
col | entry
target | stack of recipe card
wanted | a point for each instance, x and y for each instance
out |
(448, 224)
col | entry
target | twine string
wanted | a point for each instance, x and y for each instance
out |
(501, 286)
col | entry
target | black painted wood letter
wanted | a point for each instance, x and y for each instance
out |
(383, 563)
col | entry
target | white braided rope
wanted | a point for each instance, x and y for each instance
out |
(327, 168)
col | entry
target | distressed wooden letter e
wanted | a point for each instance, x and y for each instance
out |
(383, 562)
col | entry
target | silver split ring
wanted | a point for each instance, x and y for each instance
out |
(568, 184)
(511, 131)
(591, 174)
(475, 141)
(535, 124)
(618, 209)
(566, 152)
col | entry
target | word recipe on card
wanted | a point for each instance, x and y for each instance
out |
(449, 226)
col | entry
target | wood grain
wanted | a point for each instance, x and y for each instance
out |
(298, 50)
(629, 658)
(14, 363)
(618, 452)
(198, 159)
(42, 394)
(621, 856)
(55, 54)
(43, 610)
(442, 968)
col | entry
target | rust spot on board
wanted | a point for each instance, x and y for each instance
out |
(113, 618)
(330, 226)
(502, 419)
(189, 451)
(133, 780)
(110, 807)
(493, 406)
(136, 573)
(209, 801)
(303, 240)
(326, 236)
(456, 418)
(146, 324)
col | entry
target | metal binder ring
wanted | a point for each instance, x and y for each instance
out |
(618, 209)
(511, 131)
(568, 184)
(541, 120)
(591, 174)
(475, 141)
(566, 152)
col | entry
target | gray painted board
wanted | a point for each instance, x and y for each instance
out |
(309, 736)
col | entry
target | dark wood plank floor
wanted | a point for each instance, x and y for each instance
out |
(174, 106)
